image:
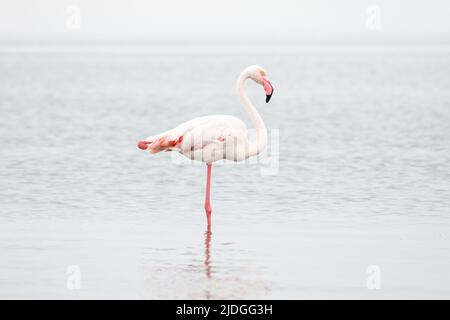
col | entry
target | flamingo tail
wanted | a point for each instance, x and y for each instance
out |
(159, 143)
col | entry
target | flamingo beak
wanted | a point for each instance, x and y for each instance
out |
(267, 88)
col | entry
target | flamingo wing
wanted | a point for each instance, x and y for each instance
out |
(214, 138)
(199, 136)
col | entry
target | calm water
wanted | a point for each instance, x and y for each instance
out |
(362, 176)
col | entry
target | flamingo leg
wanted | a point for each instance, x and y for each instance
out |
(207, 199)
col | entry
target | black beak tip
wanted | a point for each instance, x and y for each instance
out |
(268, 97)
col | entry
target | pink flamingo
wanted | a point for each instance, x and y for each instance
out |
(212, 138)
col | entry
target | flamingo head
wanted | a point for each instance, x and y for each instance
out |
(259, 75)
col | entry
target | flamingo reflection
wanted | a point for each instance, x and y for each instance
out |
(208, 259)
(208, 252)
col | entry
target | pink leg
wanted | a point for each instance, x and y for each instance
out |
(208, 188)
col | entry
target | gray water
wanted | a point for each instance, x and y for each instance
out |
(362, 176)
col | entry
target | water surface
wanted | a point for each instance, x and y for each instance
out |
(362, 176)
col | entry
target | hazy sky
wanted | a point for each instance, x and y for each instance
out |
(172, 20)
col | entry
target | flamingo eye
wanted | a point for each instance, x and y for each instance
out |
(263, 73)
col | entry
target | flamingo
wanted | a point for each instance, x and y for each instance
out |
(216, 137)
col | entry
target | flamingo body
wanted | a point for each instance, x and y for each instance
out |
(207, 139)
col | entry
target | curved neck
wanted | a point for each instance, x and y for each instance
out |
(255, 147)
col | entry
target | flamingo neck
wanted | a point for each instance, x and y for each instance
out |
(255, 147)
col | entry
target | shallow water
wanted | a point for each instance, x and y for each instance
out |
(361, 176)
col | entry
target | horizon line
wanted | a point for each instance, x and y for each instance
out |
(316, 40)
